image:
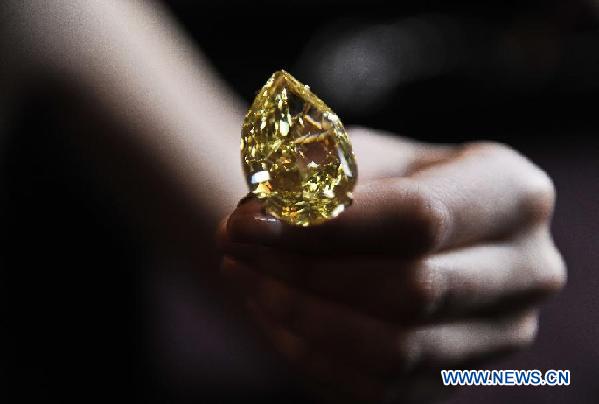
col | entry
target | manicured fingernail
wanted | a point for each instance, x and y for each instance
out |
(257, 228)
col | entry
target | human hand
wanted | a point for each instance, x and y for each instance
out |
(440, 263)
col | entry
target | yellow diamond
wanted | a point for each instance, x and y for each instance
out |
(296, 154)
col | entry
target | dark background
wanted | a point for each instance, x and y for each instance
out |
(521, 72)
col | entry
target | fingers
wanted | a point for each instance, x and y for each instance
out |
(376, 346)
(327, 375)
(459, 283)
(344, 383)
(486, 192)
(380, 209)
(327, 324)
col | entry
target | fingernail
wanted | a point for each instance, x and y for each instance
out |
(257, 228)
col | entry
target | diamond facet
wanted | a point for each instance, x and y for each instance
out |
(296, 154)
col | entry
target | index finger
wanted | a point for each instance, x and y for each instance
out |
(486, 192)
(380, 209)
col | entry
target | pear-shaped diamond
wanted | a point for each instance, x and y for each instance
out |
(296, 154)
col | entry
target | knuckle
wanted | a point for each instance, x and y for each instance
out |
(553, 274)
(537, 195)
(488, 147)
(525, 330)
(432, 217)
(408, 350)
(428, 287)
(538, 198)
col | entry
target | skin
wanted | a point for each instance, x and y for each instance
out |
(441, 262)
(141, 103)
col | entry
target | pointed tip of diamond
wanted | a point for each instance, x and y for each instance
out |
(279, 73)
(282, 76)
